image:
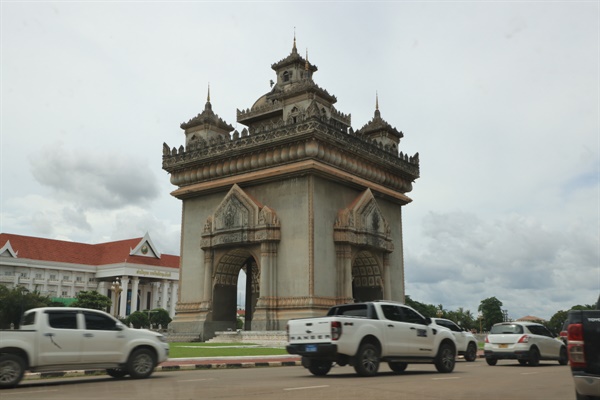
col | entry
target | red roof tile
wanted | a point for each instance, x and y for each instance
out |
(42, 249)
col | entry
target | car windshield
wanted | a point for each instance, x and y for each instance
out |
(506, 329)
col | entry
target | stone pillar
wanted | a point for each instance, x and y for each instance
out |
(59, 283)
(174, 297)
(124, 288)
(265, 315)
(31, 275)
(143, 297)
(208, 281)
(114, 299)
(134, 294)
(165, 293)
(344, 273)
(387, 278)
(154, 300)
(46, 278)
(102, 289)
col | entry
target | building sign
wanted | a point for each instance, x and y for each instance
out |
(143, 272)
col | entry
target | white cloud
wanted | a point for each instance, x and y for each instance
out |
(500, 99)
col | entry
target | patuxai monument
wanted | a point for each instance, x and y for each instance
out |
(308, 207)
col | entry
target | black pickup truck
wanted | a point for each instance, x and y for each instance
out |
(584, 351)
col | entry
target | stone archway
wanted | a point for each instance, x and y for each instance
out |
(367, 282)
(242, 234)
(363, 243)
(225, 288)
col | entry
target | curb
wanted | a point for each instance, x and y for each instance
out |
(182, 364)
(187, 364)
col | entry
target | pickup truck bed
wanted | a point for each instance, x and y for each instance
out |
(584, 352)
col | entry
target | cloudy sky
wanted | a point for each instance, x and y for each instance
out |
(500, 99)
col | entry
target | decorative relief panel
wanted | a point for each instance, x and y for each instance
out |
(239, 219)
(363, 224)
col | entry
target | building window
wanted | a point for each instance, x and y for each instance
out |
(66, 278)
(64, 293)
(52, 277)
(286, 76)
(38, 276)
(24, 275)
(91, 280)
(79, 279)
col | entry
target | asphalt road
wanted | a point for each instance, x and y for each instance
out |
(469, 381)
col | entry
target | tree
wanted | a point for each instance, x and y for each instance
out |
(556, 321)
(93, 300)
(427, 310)
(14, 302)
(138, 319)
(464, 318)
(491, 310)
(160, 317)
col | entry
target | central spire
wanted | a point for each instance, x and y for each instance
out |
(294, 49)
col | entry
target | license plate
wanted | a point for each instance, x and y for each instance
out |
(503, 346)
(310, 348)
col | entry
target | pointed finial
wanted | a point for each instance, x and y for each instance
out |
(208, 95)
(376, 101)
(294, 50)
(306, 63)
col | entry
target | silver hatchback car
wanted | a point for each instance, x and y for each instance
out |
(526, 342)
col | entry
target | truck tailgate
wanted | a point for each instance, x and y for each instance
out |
(312, 330)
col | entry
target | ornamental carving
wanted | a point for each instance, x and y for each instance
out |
(362, 224)
(239, 219)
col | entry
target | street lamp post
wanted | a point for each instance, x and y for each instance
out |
(116, 288)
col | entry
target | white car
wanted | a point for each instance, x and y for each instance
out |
(526, 342)
(466, 342)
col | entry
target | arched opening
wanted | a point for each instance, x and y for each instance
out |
(367, 284)
(226, 289)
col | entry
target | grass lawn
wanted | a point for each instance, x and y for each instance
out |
(185, 349)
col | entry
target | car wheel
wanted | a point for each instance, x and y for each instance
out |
(523, 362)
(534, 357)
(116, 372)
(471, 354)
(319, 367)
(367, 360)
(445, 359)
(397, 366)
(564, 357)
(12, 368)
(491, 361)
(141, 363)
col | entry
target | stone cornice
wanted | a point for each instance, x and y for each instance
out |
(289, 170)
(287, 144)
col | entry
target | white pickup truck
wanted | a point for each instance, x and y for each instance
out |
(364, 334)
(63, 338)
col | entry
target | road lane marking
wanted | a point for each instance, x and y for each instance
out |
(196, 380)
(307, 387)
(529, 373)
(444, 379)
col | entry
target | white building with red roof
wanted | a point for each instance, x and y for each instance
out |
(146, 279)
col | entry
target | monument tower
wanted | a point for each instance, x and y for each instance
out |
(309, 208)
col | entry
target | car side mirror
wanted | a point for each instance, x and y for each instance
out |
(427, 321)
(119, 326)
